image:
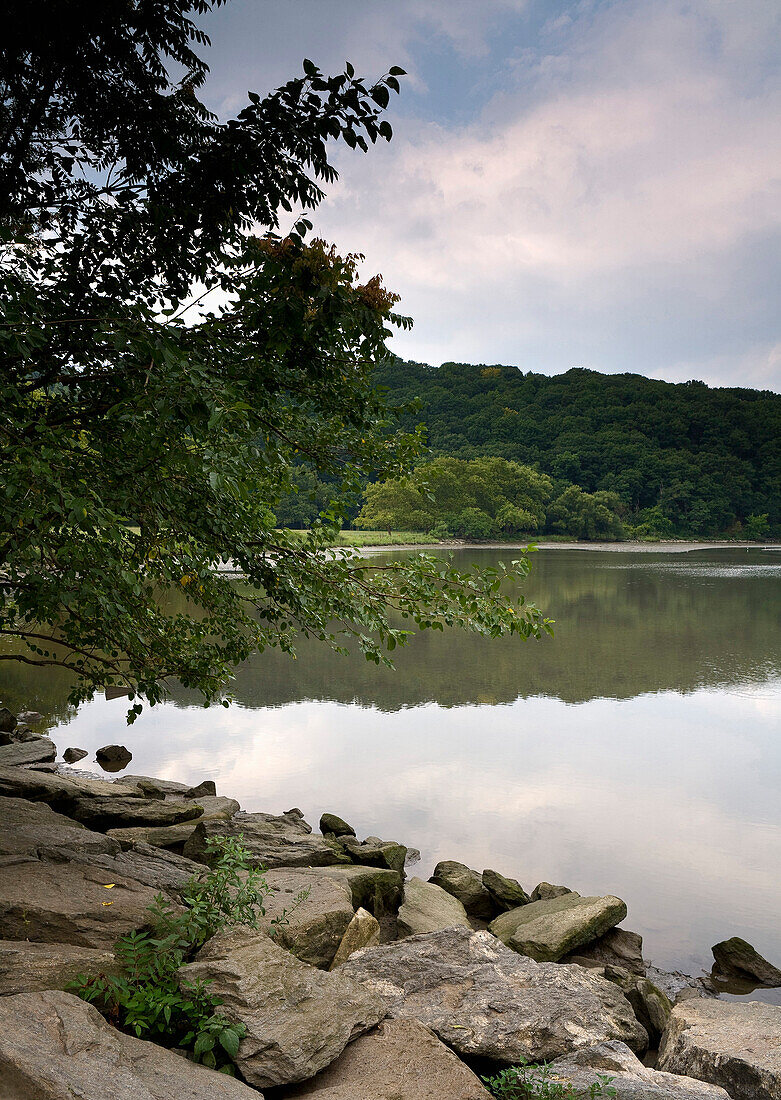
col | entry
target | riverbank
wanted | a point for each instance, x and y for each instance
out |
(663, 547)
(425, 980)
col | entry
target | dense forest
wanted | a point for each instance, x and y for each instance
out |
(580, 454)
(681, 458)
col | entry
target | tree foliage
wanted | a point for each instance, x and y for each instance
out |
(682, 458)
(169, 357)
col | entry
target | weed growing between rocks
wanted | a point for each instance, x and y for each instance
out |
(530, 1082)
(147, 998)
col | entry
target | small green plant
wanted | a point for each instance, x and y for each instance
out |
(537, 1082)
(147, 997)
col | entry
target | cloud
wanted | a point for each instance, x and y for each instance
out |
(617, 203)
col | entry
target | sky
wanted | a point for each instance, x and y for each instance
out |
(593, 183)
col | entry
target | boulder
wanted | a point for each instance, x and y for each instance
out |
(618, 947)
(65, 1049)
(7, 720)
(33, 829)
(399, 1060)
(118, 811)
(735, 957)
(428, 908)
(70, 903)
(374, 852)
(27, 967)
(207, 788)
(112, 758)
(298, 1019)
(362, 931)
(215, 808)
(628, 1076)
(733, 1044)
(62, 792)
(313, 929)
(375, 888)
(486, 1001)
(651, 1006)
(544, 891)
(284, 841)
(330, 823)
(466, 885)
(152, 787)
(154, 867)
(506, 892)
(679, 987)
(39, 750)
(548, 930)
(72, 754)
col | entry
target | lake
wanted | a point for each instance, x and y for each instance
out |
(637, 753)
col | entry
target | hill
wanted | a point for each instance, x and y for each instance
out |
(683, 458)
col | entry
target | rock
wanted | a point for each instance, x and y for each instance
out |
(7, 720)
(154, 867)
(428, 908)
(486, 1001)
(284, 841)
(205, 789)
(112, 758)
(215, 808)
(544, 891)
(548, 930)
(466, 885)
(71, 903)
(506, 892)
(651, 1006)
(298, 1019)
(34, 829)
(362, 931)
(330, 823)
(736, 957)
(62, 792)
(27, 967)
(375, 888)
(629, 1077)
(152, 787)
(117, 811)
(71, 755)
(18, 735)
(374, 852)
(30, 716)
(733, 1044)
(66, 1050)
(618, 947)
(314, 929)
(679, 987)
(27, 752)
(400, 1060)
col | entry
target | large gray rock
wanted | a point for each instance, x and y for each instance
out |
(70, 902)
(337, 826)
(272, 841)
(27, 967)
(215, 808)
(374, 852)
(507, 893)
(548, 930)
(73, 754)
(735, 957)
(629, 1077)
(154, 867)
(313, 929)
(466, 885)
(55, 1047)
(400, 1060)
(733, 1044)
(117, 811)
(374, 888)
(618, 947)
(154, 788)
(7, 720)
(484, 1000)
(113, 757)
(679, 987)
(428, 908)
(544, 891)
(362, 931)
(28, 752)
(298, 1019)
(31, 828)
(62, 792)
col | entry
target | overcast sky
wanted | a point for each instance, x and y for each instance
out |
(587, 183)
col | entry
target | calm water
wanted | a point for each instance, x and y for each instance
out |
(637, 753)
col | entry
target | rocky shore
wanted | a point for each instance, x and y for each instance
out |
(378, 985)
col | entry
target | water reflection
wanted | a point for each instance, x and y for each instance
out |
(637, 753)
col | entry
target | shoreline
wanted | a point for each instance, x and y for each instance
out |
(662, 547)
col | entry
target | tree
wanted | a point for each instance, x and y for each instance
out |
(586, 515)
(150, 427)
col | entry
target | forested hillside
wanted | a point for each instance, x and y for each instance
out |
(683, 458)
